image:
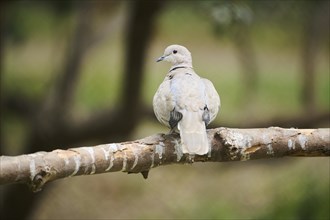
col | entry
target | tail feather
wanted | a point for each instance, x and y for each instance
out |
(193, 133)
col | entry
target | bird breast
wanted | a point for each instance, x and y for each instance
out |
(187, 91)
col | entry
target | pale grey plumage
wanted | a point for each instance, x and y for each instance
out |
(186, 101)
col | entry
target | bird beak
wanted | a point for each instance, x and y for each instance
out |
(160, 59)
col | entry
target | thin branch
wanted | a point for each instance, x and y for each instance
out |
(141, 155)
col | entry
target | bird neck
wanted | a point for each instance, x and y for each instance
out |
(179, 66)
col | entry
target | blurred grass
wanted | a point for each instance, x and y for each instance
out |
(292, 188)
(100, 81)
(277, 189)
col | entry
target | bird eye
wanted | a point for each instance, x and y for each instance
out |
(175, 51)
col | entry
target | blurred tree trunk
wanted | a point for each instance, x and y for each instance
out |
(315, 27)
(2, 17)
(138, 36)
(247, 58)
(18, 202)
(233, 18)
(53, 111)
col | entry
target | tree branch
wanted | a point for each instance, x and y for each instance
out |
(162, 149)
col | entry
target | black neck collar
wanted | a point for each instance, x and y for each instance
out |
(177, 67)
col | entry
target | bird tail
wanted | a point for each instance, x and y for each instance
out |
(193, 133)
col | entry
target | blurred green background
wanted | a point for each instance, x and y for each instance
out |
(78, 73)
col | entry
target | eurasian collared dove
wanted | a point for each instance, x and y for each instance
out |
(185, 101)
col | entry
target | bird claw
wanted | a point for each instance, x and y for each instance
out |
(190, 158)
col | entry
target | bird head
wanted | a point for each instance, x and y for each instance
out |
(177, 55)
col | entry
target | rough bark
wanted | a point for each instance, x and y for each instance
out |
(162, 149)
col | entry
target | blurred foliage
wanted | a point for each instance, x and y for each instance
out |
(34, 39)
(34, 19)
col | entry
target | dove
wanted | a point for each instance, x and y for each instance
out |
(185, 102)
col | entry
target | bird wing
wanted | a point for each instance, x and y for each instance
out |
(212, 99)
(163, 102)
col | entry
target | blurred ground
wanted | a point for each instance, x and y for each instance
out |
(289, 188)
